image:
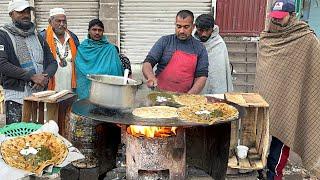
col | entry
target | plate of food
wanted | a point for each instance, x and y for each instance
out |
(34, 152)
(208, 113)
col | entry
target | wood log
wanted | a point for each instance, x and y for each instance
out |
(43, 93)
(233, 162)
(58, 95)
(244, 163)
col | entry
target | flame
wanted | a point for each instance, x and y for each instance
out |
(151, 131)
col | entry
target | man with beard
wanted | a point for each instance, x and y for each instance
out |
(182, 62)
(26, 63)
(219, 78)
(63, 44)
(288, 71)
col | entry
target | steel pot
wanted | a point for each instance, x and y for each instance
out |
(110, 91)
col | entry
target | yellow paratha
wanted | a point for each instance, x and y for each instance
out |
(190, 99)
(208, 113)
(50, 151)
(155, 112)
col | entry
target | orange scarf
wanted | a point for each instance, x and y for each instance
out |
(50, 41)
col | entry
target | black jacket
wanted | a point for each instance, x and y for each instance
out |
(13, 76)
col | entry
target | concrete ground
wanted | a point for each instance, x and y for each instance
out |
(293, 171)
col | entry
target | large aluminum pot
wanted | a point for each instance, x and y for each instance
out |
(110, 91)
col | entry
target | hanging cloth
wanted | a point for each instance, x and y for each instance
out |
(95, 57)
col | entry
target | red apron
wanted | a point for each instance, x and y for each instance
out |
(178, 75)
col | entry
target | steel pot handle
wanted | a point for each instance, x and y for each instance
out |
(139, 86)
(89, 77)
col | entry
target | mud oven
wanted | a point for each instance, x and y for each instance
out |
(158, 148)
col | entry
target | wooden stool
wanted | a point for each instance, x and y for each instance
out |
(57, 110)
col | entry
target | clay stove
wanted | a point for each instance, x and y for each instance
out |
(157, 157)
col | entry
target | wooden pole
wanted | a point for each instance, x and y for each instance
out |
(268, 8)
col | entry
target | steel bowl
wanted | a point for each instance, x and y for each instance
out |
(111, 92)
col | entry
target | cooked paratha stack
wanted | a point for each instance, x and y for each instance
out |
(190, 99)
(50, 151)
(155, 112)
(208, 113)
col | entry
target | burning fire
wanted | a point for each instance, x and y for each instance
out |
(151, 131)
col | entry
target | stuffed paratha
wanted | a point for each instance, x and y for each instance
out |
(34, 152)
(155, 112)
(208, 113)
(189, 99)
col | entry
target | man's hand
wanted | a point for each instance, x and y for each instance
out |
(40, 79)
(149, 75)
(198, 85)
(152, 82)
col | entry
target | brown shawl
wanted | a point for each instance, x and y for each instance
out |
(288, 76)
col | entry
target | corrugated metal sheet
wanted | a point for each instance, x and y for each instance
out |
(241, 17)
(142, 23)
(79, 13)
(4, 15)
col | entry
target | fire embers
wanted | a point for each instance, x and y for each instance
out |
(151, 131)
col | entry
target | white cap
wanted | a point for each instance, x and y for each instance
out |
(56, 11)
(18, 5)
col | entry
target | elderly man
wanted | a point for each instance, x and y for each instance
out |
(63, 44)
(182, 62)
(219, 78)
(26, 63)
(288, 71)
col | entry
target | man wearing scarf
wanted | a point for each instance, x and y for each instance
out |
(26, 63)
(63, 45)
(288, 71)
(219, 76)
(95, 56)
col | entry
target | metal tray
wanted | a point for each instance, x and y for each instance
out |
(125, 116)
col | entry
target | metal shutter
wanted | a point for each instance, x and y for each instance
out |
(4, 15)
(79, 13)
(142, 23)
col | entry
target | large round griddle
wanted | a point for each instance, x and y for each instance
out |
(124, 116)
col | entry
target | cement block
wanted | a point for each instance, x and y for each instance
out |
(110, 26)
(237, 57)
(108, 1)
(69, 173)
(252, 57)
(251, 68)
(113, 39)
(92, 173)
(240, 88)
(108, 11)
(239, 68)
(251, 79)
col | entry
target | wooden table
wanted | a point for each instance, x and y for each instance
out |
(57, 110)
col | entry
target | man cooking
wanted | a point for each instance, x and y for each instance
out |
(182, 61)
